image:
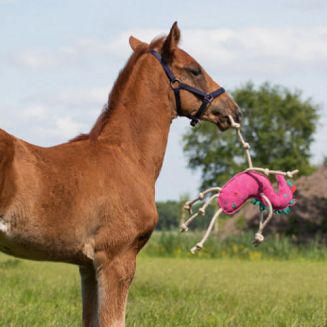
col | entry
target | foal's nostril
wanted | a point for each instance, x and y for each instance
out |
(215, 111)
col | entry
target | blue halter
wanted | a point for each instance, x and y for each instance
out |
(177, 85)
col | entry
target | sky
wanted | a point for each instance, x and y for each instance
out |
(59, 59)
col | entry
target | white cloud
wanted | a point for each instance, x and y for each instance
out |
(93, 97)
(67, 127)
(35, 112)
(305, 5)
(36, 59)
(81, 52)
(256, 50)
(46, 125)
(259, 50)
(84, 105)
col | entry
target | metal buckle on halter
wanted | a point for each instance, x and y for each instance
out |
(175, 84)
(208, 98)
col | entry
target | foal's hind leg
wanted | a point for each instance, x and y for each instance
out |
(114, 276)
(90, 296)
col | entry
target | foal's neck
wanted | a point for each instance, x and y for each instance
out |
(140, 116)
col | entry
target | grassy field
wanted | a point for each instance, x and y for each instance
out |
(174, 292)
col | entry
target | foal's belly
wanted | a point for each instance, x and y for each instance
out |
(25, 242)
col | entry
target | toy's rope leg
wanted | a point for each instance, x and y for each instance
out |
(199, 245)
(201, 211)
(258, 239)
(188, 205)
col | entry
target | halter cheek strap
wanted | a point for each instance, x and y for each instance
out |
(177, 85)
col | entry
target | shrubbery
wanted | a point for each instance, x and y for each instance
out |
(174, 244)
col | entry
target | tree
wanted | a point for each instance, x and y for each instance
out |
(276, 122)
(169, 212)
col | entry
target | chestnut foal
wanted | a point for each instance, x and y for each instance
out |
(91, 201)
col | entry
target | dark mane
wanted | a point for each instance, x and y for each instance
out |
(114, 94)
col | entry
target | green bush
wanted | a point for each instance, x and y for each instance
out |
(174, 244)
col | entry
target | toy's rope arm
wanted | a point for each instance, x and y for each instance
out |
(266, 171)
(201, 211)
(188, 205)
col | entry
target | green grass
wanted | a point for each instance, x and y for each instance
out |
(38, 294)
(174, 292)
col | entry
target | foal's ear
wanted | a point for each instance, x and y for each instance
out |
(171, 42)
(135, 43)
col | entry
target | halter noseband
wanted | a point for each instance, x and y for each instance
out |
(177, 85)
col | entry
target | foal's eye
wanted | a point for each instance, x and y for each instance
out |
(196, 71)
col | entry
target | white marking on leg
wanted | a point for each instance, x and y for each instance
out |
(4, 227)
(88, 250)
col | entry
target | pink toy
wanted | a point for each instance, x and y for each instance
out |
(249, 184)
(252, 185)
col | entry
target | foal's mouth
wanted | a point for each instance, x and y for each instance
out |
(223, 122)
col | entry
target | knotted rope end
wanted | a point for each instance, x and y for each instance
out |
(258, 239)
(196, 248)
(184, 228)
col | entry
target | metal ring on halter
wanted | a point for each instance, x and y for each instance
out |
(175, 84)
(194, 122)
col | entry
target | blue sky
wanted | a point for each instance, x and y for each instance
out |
(58, 60)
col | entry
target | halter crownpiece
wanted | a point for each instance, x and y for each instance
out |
(177, 85)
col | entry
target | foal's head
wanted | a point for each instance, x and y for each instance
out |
(188, 71)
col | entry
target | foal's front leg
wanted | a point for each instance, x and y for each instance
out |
(114, 276)
(89, 295)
